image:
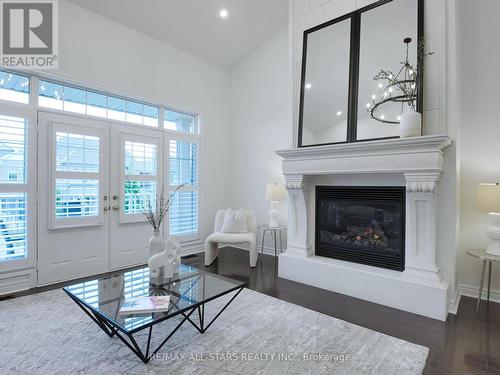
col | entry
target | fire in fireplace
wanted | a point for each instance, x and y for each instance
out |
(361, 224)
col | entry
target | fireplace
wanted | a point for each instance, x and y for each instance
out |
(361, 224)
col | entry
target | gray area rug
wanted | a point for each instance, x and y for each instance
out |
(47, 333)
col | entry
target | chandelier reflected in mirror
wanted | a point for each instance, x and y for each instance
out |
(401, 88)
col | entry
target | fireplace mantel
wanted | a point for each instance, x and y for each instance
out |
(406, 155)
(419, 160)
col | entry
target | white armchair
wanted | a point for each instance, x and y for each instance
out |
(218, 237)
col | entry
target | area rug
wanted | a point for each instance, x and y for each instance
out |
(47, 333)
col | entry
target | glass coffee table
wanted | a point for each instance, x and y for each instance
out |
(189, 291)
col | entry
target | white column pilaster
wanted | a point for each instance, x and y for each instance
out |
(298, 197)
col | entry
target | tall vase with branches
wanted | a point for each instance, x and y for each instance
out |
(155, 213)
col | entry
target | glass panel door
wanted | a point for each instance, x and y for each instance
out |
(135, 183)
(74, 204)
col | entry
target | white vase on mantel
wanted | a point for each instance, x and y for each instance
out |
(156, 243)
(410, 125)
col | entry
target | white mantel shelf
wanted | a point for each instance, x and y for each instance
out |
(405, 155)
(419, 288)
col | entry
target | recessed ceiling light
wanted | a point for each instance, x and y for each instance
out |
(339, 113)
(224, 13)
(308, 86)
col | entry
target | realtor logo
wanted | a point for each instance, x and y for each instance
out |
(29, 34)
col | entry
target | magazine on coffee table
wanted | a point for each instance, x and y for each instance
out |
(145, 305)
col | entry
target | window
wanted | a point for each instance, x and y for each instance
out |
(140, 174)
(72, 99)
(180, 122)
(76, 175)
(13, 228)
(13, 188)
(13, 150)
(14, 87)
(183, 164)
(76, 198)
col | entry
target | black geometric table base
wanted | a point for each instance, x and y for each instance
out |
(113, 330)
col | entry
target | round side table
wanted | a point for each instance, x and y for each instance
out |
(274, 234)
(482, 255)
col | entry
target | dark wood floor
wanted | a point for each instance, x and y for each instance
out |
(467, 343)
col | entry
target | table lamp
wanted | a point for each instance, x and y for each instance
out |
(275, 193)
(488, 200)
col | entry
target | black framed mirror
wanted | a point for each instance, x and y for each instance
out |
(340, 61)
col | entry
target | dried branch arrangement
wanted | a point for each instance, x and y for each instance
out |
(156, 213)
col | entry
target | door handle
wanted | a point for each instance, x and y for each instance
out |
(115, 207)
(115, 197)
(106, 208)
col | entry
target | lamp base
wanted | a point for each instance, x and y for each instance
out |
(273, 215)
(493, 234)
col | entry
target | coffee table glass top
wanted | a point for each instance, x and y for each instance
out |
(187, 289)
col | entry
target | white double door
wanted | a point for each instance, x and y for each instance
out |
(93, 179)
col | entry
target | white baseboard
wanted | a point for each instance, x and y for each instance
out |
(192, 249)
(17, 281)
(454, 302)
(473, 291)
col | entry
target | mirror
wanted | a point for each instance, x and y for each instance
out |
(341, 59)
(382, 33)
(326, 85)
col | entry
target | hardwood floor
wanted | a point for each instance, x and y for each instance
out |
(467, 343)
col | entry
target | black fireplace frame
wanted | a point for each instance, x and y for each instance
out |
(387, 261)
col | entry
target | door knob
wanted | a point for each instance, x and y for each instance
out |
(106, 208)
(115, 207)
(115, 197)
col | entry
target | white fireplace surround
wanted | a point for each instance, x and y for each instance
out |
(419, 288)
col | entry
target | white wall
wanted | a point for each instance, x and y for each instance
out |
(479, 154)
(260, 124)
(110, 56)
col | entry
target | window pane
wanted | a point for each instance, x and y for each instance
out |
(13, 227)
(116, 108)
(137, 195)
(14, 88)
(13, 150)
(183, 163)
(134, 112)
(184, 213)
(77, 153)
(180, 122)
(140, 159)
(79, 100)
(96, 104)
(74, 100)
(151, 115)
(77, 198)
(50, 95)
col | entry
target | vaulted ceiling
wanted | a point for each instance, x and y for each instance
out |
(195, 26)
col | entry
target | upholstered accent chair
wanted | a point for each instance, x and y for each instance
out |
(218, 237)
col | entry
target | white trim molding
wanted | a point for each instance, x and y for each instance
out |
(419, 161)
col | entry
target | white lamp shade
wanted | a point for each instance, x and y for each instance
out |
(275, 192)
(488, 197)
